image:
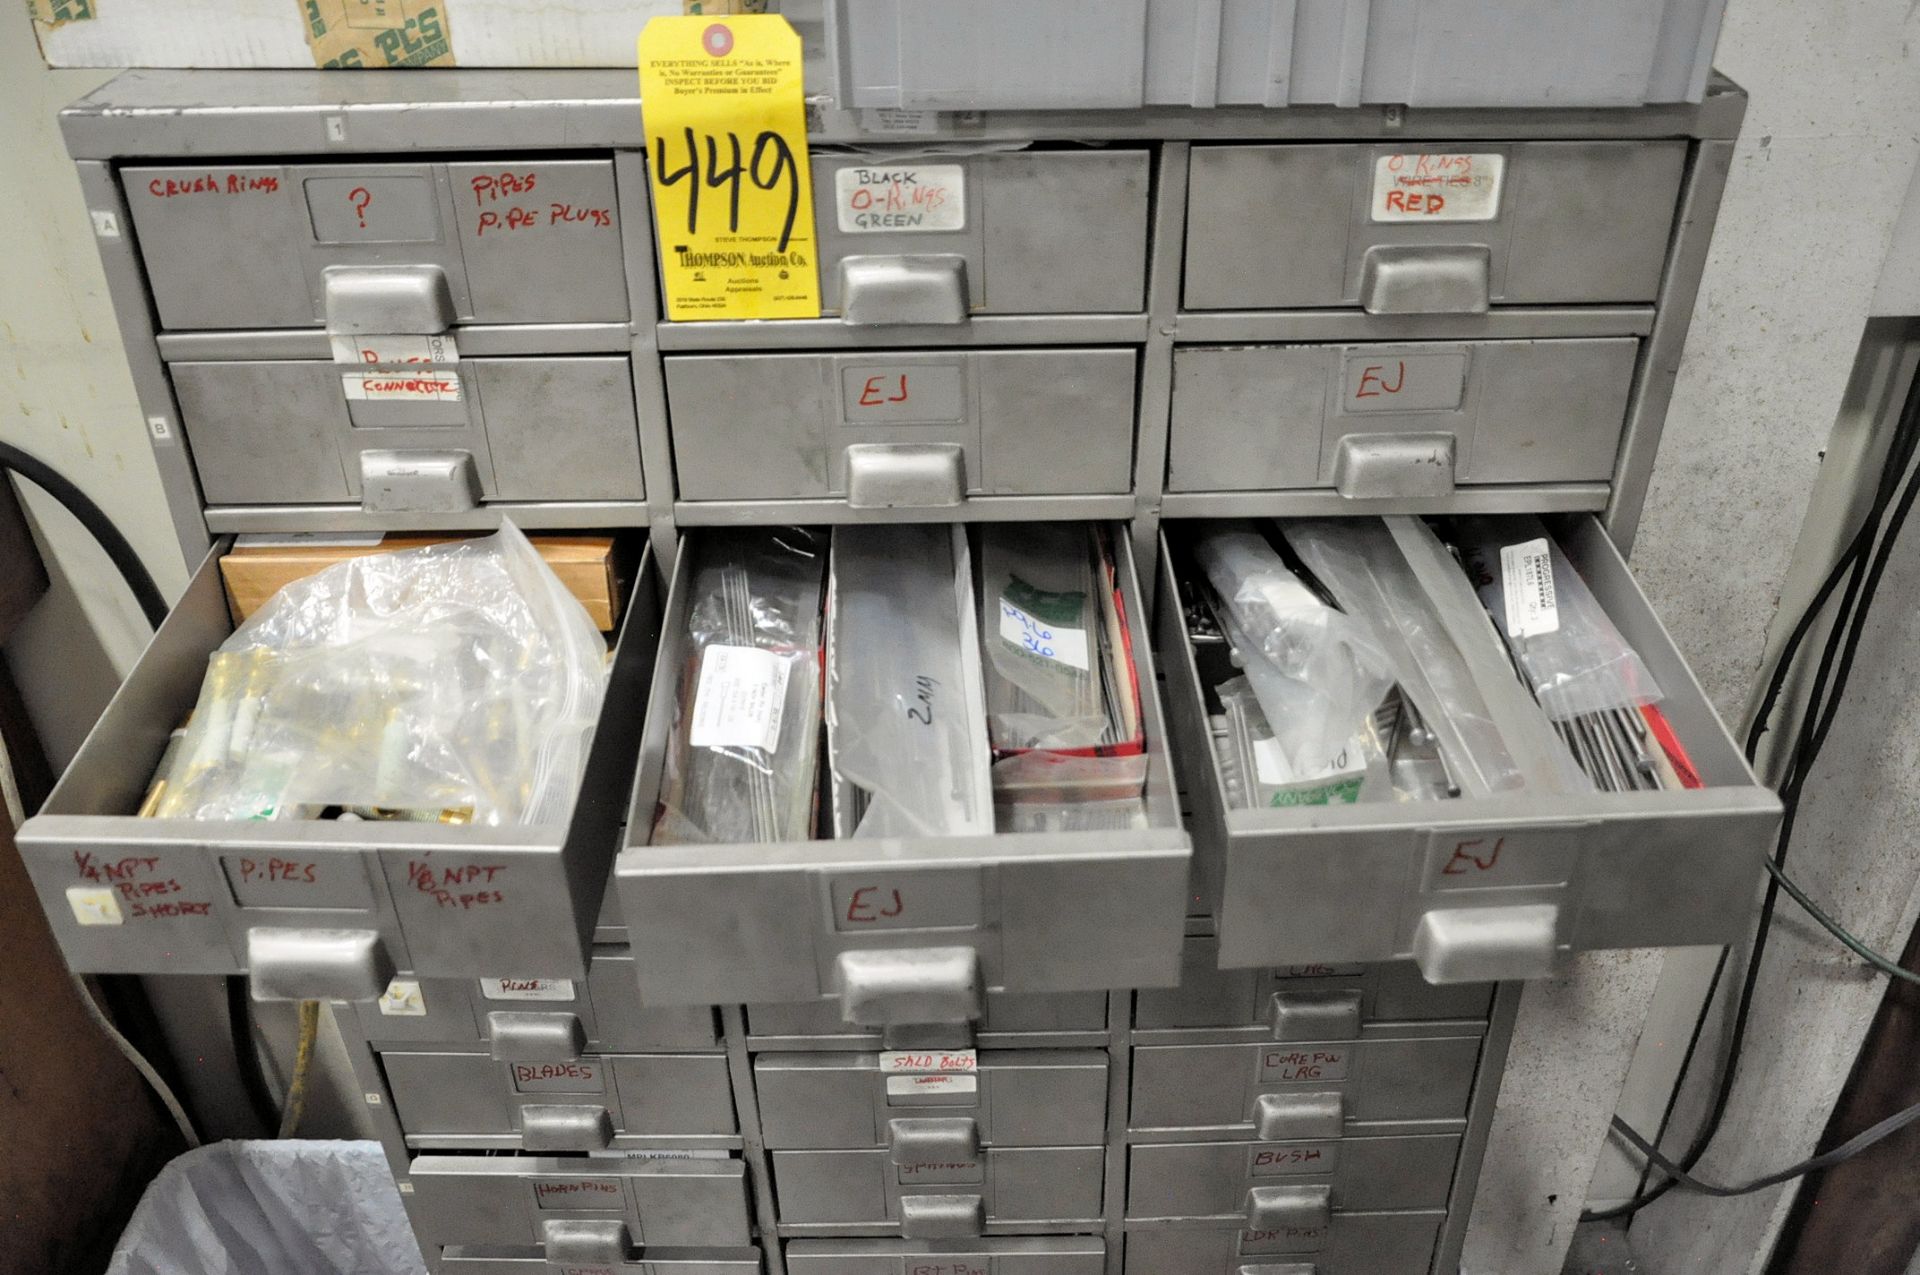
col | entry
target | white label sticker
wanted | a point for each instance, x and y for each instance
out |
(902, 1062)
(527, 989)
(899, 1086)
(911, 198)
(403, 999)
(395, 349)
(414, 387)
(158, 427)
(894, 119)
(1526, 574)
(1068, 646)
(94, 905)
(1269, 763)
(1437, 187)
(740, 698)
(105, 224)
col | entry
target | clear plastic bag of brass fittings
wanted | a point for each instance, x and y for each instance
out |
(745, 753)
(1318, 673)
(906, 714)
(1561, 637)
(457, 682)
(1040, 621)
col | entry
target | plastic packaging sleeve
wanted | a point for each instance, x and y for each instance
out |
(1040, 628)
(757, 591)
(906, 715)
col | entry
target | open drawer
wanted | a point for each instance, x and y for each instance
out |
(1477, 888)
(910, 930)
(319, 909)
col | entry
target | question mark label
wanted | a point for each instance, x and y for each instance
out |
(360, 197)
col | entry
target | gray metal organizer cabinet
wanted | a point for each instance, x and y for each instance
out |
(1014, 913)
(365, 901)
(1549, 873)
(505, 1260)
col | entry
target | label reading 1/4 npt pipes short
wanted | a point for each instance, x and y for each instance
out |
(726, 130)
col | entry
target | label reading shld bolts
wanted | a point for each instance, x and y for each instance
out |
(1526, 575)
(739, 699)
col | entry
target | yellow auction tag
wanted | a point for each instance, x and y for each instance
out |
(727, 148)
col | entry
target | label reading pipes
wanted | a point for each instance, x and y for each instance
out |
(1437, 187)
(376, 35)
(895, 198)
(405, 387)
(395, 348)
(726, 130)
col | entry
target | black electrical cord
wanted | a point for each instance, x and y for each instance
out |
(154, 605)
(1861, 584)
(131, 569)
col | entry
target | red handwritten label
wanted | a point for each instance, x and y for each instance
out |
(1287, 1065)
(948, 1266)
(142, 887)
(490, 187)
(1437, 187)
(1375, 380)
(884, 389)
(1475, 855)
(871, 903)
(295, 871)
(213, 184)
(457, 887)
(908, 1061)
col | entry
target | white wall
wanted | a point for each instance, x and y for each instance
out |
(66, 396)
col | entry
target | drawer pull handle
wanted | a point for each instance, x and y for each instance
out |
(941, 1217)
(1282, 1268)
(524, 1037)
(1484, 945)
(379, 300)
(1316, 1015)
(562, 1128)
(1272, 1208)
(581, 1242)
(1291, 1117)
(301, 965)
(1426, 279)
(913, 475)
(912, 1143)
(909, 985)
(418, 482)
(899, 290)
(1371, 466)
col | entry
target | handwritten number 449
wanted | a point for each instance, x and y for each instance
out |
(770, 164)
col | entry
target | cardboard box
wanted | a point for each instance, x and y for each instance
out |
(592, 568)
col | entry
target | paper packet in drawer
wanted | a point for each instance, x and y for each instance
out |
(1259, 773)
(744, 759)
(458, 682)
(906, 721)
(1063, 693)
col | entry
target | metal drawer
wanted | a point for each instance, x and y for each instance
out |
(757, 923)
(1348, 1244)
(510, 1200)
(1360, 882)
(1450, 229)
(263, 245)
(481, 1260)
(1283, 1090)
(885, 428)
(430, 899)
(1005, 1188)
(600, 1012)
(1297, 1000)
(1027, 1255)
(912, 236)
(1032, 1098)
(1008, 1020)
(586, 1103)
(1407, 420)
(1215, 1179)
(436, 439)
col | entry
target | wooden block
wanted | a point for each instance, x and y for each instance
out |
(589, 566)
